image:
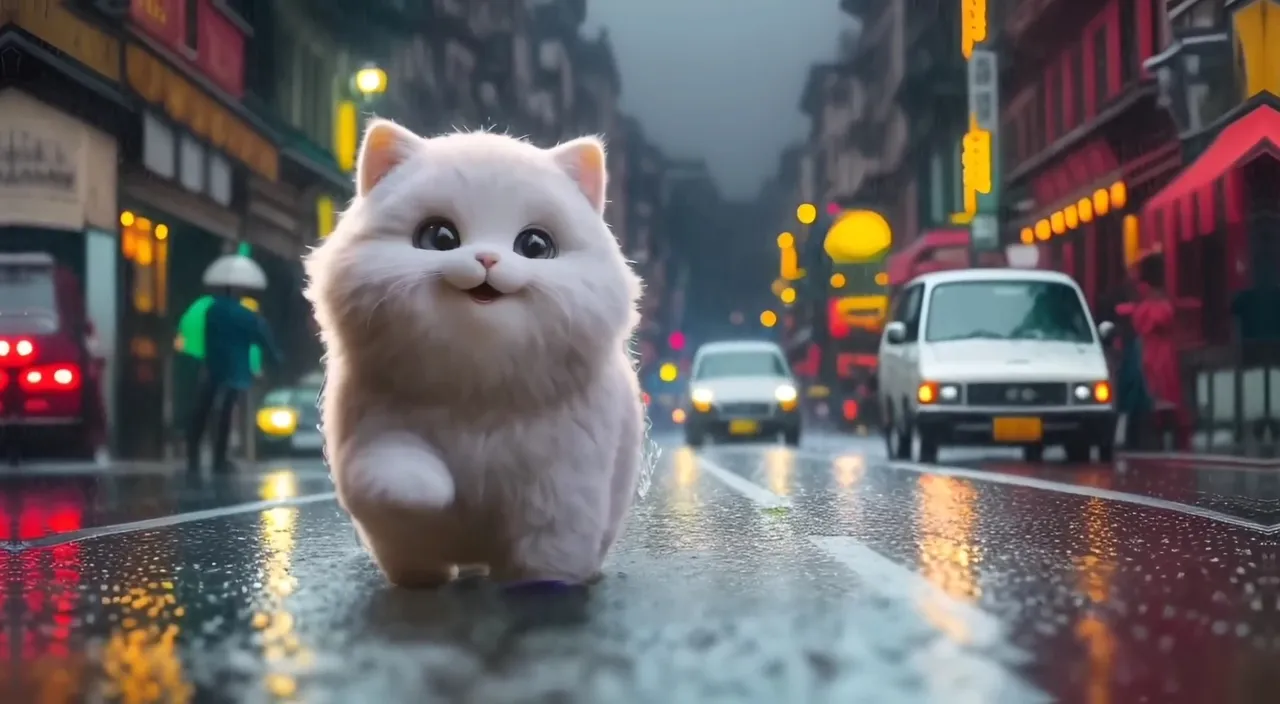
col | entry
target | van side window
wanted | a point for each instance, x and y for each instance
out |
(909, 315)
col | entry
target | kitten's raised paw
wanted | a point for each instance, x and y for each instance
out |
(399, 474)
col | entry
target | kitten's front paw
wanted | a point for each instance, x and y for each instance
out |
(400, 474)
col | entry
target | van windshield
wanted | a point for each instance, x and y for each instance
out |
(1007, 310)
(720, 365)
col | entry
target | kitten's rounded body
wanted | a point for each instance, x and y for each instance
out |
(463, 431)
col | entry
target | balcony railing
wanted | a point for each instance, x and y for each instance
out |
(1235, 398)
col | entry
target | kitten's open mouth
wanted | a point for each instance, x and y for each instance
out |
(484, 293)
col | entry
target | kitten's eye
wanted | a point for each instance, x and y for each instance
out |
(535, 244)
(437, 234)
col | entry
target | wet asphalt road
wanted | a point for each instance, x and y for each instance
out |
(748, 574)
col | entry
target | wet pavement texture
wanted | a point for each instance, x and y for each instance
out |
(748, 574)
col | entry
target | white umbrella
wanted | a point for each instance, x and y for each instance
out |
(235, 271)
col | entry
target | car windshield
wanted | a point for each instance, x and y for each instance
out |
(1007, 310)
(27, 289)
(720, 365)
(27, 299)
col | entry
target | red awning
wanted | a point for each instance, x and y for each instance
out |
(903, 265)
(1186, 205)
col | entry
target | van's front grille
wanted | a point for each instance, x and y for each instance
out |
(1035, 394)
(744, 410)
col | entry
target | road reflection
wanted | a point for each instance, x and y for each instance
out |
(947, 553)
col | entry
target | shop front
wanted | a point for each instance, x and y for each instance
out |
(1215, 227)
(183, 204)
(58, 184)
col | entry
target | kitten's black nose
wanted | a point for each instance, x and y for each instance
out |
(487, 260)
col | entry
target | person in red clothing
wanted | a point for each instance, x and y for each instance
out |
(1154, 320)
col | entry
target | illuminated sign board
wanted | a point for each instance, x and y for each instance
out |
(976, 161)
(973, 25)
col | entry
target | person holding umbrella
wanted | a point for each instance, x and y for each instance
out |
(231, 331)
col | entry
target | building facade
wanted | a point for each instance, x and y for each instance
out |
(1085, 141)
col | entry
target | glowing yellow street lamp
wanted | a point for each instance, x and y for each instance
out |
(768, 318)
(371, 80)
(786, 240)
(806, 213)
(838, 280)
(788, 295)
(668, 372)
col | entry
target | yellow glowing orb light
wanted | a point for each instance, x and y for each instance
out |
(806, 213)
(277, 421)
(1028, 235)
(371, 80)
(882, 279)
(858, 236)
(1085, 208)
(768, 318)
(1072, 216)
(678, 416)
(788, 295)
(1044, 230)
(126, 219)
(838, 280)
(1058, 223)
(1119, 194)
(668, 372)
(1101, 202)
(786, 240)
(162, 232)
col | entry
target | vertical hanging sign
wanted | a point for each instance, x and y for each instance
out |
(981, 141)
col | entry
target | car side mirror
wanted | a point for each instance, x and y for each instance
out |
(1106, 329)
(895, 333)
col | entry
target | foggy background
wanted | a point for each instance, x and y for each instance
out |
(720, 79)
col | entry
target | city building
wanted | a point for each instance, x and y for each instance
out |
(1085, 143)
(1215, 222)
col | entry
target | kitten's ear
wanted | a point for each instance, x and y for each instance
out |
(583, 160)
(386, 145)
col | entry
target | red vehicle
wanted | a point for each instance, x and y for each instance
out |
(45, 399)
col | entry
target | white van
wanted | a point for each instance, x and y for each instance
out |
(995, 357)
(742, 389)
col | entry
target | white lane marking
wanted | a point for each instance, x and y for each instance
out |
(956, 672)
(755, 493)
(176, 519)
(1066, 488)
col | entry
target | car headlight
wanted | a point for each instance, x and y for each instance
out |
(277, 421)
(1091, 392)
(786, 393)
(932, 392)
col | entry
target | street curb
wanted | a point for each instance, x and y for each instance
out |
(1202, 460)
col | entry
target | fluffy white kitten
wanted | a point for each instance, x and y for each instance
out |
(480, 406)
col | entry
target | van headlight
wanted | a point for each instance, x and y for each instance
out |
(702, 398)
(788, 397)
(1091, 392)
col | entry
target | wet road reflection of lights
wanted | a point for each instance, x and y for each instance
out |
(283, 652)
(141, 663)
(948, 556)
(278, 485)
(848, 471)
(779, 464)
(1096, 570)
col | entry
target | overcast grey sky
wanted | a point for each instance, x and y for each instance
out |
(720, 79)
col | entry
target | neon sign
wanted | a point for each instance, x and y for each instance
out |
(973, 25)
(976, 161)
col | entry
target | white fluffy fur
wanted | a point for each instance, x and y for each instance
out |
(505, 434)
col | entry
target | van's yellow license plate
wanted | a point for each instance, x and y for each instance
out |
(1017, 430)
(743, 427)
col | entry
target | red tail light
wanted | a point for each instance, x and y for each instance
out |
(54, 377)
(645, 397)
(850, 410)
(16, 352)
